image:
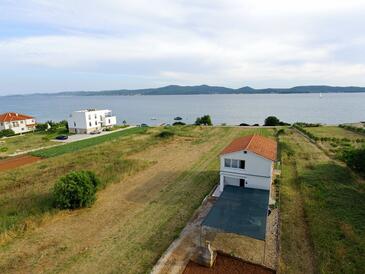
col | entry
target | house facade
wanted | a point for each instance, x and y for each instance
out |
(248, 162)
(90, 120)
(19, 123)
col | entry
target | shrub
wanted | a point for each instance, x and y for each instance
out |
(7, 133)
(280, 132)
(244, 125)
(178, 118)
(165, 134)
(76, 190)
(179, 124)
(204, 120)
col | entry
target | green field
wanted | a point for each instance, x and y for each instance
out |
(75, 146)
(322, 212)
(153, 186)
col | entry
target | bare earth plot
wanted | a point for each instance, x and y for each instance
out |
(132, 222)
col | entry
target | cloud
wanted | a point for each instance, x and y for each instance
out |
(231, 43)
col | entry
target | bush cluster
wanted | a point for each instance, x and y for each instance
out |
(6, 133)
(54, 126)
(303, 124)
(354, 129)
(76, 190)
(355, 159)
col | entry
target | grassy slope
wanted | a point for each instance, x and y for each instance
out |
(71, 147)
(334, 212)
(149, 225)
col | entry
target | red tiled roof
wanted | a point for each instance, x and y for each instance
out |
(13, 116)
(260, 145)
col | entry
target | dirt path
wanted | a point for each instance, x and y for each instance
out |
(15, 162)
(117, 229)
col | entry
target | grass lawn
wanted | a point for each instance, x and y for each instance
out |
(153, 187)
(74, 146)
(322, 212)
(24, 142)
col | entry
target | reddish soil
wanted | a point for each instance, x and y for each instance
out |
(17, 162)
(227, 264)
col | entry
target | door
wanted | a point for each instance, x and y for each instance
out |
(242, 182)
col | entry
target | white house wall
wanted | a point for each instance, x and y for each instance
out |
(254, 164)
(257, 172)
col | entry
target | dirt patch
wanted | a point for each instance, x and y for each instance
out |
(227, 264)
(15, 162)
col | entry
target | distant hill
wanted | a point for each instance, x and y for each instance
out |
(205, 89)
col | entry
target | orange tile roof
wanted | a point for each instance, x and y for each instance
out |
(260, 145)
(13, 116)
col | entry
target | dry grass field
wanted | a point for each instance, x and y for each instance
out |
(153, 187)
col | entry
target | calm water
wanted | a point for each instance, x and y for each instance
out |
(230, 109)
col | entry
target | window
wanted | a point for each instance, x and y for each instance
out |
(74, 124)
(227, 162)
(1, 124)
(89, 117)
(232, 163)
(22, 122)
(90, 124)
(96, 123)
(96, 117)
(109, 121)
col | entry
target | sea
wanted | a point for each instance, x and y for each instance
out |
(232, 109)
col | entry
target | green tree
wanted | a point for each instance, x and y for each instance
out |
(204, 120)
(76, 190)
(272, 121)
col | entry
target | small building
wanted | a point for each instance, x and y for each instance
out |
(19, 123)
(90, 120)
(248, 162)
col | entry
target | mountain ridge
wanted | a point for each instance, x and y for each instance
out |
(206, 89)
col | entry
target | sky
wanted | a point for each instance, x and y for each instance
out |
(72, 45)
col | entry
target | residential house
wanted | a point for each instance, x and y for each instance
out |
(19, 123)
(90, 120)
(248, 162)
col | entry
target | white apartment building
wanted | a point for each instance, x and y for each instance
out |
(90, 120)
